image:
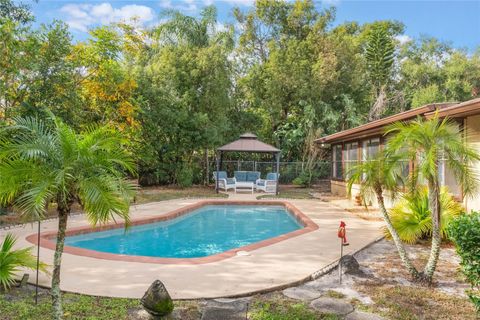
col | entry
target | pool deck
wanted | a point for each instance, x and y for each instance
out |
(275, 265)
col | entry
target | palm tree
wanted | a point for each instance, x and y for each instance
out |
(412, 219)
(11, 260)
(200, 32)
(423, 141)
(376, 176)
(47, 162)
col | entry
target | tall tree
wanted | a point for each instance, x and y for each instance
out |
(432, 71)
(423, 141)
(184, 92)
(379, 53)
(46, 162)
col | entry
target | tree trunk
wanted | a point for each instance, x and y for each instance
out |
(56, 294)
(434, 204)
(396, 239)
(379, 106)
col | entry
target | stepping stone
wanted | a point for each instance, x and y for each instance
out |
(331, 305)
(214, 313)
(239, 304)
(360, 315)
(302, 293)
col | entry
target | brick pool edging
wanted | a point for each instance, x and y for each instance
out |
(46, 238)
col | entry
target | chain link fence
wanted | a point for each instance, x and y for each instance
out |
(288, 170)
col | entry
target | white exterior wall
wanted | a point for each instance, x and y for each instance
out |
(339, 188)
(472, 127)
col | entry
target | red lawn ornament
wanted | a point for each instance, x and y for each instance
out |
(342, 233)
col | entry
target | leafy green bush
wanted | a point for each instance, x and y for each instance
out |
(12, 260)
(185, 177)
(305, 179)
(465, 233)
(411, 215)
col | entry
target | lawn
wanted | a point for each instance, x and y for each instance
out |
(386, 287)
(290, 192)
(155, 194)
(144, 195)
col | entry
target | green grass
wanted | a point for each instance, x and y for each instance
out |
(160, 194)
(334, 294)
(289, 193)
(279, 308)
(411, 303)
(19, 304)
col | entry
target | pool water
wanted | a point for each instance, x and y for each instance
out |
(205, 231)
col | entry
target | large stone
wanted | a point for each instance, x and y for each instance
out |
(299, 293)
(216, 313)
(350, 265)
(332, 306)
(156, 300)
(359, 315)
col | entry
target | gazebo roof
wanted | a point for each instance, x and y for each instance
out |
(248, 142)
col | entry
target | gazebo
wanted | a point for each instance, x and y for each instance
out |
(248, 142)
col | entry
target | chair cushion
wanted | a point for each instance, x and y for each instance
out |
(240, 176)
(261, 183)
(230, 181)
(272, 176)
(252, 176)
(221, 175)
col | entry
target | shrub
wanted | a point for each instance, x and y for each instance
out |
(305, 179)
(465, 233)
(12, 260)
(411, 215)
(185, 177)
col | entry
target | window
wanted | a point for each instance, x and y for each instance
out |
(370, 148)
(446, 177)
(337, 162)
(350, 157)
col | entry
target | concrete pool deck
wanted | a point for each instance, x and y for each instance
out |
(276, 265)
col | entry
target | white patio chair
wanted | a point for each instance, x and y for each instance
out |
(268, 185)
(224, 182)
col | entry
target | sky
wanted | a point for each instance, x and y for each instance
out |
(454, 21)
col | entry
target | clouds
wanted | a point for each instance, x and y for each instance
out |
(403, 38)
(81, 16)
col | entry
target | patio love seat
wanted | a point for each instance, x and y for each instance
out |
(269, 184)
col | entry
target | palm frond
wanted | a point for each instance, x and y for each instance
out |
(12, 260)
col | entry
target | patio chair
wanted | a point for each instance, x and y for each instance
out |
(224, 182)
(269, 184)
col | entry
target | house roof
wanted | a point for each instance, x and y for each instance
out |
(376, 127)
(459, 110)
(248, 142)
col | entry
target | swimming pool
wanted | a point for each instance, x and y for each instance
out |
(205, 231)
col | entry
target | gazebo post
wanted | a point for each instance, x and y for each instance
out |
(218, 169)
(278, 172)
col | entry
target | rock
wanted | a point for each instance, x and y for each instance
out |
(23, 283)
(359, 315)
(216, 313)
(350, 265)
(156, 300)
(302, 293)
(234, 304)
(331, 305)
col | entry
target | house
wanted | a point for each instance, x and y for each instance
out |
(360, 143)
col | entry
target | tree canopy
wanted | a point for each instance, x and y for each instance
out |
(182, 87)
